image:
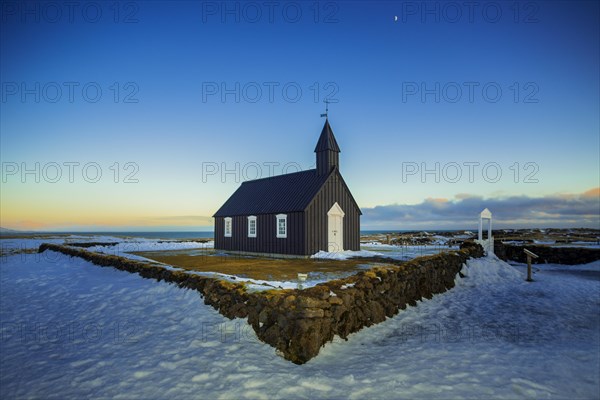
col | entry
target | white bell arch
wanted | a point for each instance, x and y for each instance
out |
(487, 244)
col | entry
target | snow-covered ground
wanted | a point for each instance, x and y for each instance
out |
(553, 243)
(70, 329)
(123, 248)
(405, 252)
(590, 245)
(134, 245)
(344, 255)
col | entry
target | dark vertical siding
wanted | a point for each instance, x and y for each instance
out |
(266, 240)
(307, 231)
(219, 230)
(316, 217)
(326, 160)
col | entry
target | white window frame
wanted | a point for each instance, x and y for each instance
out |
(228, 222)
(251, 219)
(280, 217)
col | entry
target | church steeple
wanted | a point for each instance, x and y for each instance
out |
(327, 151)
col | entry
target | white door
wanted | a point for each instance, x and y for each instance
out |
(335, 229)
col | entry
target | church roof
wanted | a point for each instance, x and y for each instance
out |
(282, 193)
(327, 139)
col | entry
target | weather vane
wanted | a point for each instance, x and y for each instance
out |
(326, 108)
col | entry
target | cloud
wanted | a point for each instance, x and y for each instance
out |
(570, 210)
(595, 192)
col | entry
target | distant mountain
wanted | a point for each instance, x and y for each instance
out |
(5, 230)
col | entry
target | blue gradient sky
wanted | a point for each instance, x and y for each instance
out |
(176, 50)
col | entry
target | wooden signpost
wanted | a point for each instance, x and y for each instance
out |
(530, 255)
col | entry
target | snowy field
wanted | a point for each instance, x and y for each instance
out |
(70, 329)
(405, 253)
(553, 243)
(123, 245)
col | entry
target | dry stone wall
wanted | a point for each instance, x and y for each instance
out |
(547, 255)
(299, 322)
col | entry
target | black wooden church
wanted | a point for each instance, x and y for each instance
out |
(293, 214)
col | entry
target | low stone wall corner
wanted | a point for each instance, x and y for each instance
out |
(299, 322)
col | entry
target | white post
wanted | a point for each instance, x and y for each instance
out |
(301, 280)
(488, 243)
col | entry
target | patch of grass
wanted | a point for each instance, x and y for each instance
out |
(252, 267)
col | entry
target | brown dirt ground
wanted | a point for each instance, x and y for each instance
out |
(253, 267)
